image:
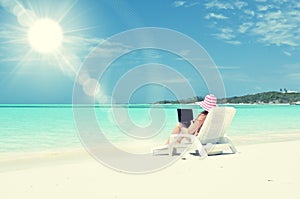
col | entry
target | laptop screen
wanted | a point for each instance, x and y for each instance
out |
(185, 115)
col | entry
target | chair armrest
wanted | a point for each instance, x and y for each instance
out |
(182, 136)
(175, 137)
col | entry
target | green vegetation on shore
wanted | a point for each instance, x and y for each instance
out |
(271, 97)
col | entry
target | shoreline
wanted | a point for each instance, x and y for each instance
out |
(12, 161)
(125, 105)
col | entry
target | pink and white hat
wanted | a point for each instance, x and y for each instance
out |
(208, 103)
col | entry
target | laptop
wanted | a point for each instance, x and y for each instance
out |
(185, 116)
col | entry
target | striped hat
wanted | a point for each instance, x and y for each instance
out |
(209, 102)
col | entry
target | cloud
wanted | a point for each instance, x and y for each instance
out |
(110, 50)
(297, 5)
(226, 33)
(278, 27)
(244, 27)
(185, 4)
(249, 12)
(225, 36)
(274, 28)
(192, 4)
(291, 71)
(273, 15)
(179, 3)
(267, 22)
(215, 16)
(295, 76)
(234, 42)
(287, 53)
(295, 66)
(228, 36)
(262, 8)
(218, 5)
(274, 22)
(240, 4)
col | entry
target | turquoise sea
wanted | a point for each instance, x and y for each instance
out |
(35, 128)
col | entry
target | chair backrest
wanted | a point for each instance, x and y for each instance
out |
(215, 125)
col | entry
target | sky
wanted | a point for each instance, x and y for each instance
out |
(55, 51)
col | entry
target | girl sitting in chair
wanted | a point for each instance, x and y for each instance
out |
(207, 104)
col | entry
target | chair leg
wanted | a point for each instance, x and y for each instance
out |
(174, 151)
(171, 148)
(231, 145)
(233, 149)
(202, 153)
(201, 149)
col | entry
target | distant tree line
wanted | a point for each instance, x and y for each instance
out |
(182, 101)
(272, 97)
(265, 97)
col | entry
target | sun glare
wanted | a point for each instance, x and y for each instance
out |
(45, 36)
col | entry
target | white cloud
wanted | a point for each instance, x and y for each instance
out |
(259, 16)
(219, 5)
(216, 16)
(234, 42)
(297, 5)
(262, 8)
(295, 76)
(178, 3)
(240, 4)
(226, 34)
(294, 14)
(273, 15)
(185, 4)
(278, 40)
(249, 12)
(295, 66)
(110, 50)
(226, 30)
(191, 4)
(287, 53)
(244, 27)
(273, 22)
(278, 28)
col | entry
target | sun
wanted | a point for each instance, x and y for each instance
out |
(45, 36)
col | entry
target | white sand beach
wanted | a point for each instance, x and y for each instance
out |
(269, 170)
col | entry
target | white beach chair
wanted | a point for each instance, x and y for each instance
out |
(211, 139)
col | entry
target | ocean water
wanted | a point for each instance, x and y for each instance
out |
(28, 128)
